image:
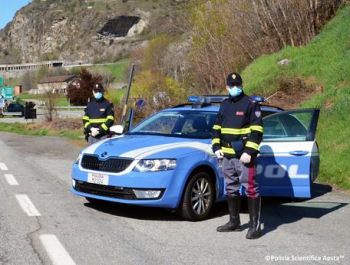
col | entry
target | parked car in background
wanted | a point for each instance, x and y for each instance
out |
(15, 107)
(166, 160)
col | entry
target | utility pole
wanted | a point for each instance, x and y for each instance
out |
(122, 120)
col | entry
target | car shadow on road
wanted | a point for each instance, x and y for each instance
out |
(135, 212)
(275, 211)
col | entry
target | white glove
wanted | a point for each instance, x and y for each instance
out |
(245, 158)
(219, 154)
(95, 132)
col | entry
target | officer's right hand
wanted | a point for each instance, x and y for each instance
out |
(94, 132)
(219, 154)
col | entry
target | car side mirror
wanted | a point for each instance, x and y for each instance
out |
(117, 129)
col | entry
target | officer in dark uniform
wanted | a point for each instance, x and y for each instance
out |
(237, 134)
(99, 116)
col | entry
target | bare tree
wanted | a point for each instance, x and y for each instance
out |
(50, 99)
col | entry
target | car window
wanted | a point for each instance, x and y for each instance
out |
(190, 124)
(287, 126)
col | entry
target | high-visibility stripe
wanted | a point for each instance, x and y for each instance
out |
(104, 126)
(216, 127)
(228, 150)
(86, 124)
(257, 128)
(86, 118)
(252, 145)
(110, 117)
(235, 131)
(215, 141)
(98, 120)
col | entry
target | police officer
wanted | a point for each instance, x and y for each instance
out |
(99, 116)
(237, 133)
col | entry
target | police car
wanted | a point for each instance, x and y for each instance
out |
(166, 160)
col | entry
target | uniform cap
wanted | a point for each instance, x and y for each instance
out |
(98, 87)
(234, 79)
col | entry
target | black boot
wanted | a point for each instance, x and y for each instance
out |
(254, 230)
(234, 204)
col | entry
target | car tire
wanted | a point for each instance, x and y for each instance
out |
(198, 197)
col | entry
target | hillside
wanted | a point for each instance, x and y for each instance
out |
(318, 73)
(85, 30)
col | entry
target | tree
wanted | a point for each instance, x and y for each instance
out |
(79, 92)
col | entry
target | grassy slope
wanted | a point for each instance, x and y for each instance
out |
(326, 59)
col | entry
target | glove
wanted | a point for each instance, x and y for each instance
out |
(219, 154)
(95, 132)
(245, 158)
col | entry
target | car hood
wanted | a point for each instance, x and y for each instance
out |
(148, 146)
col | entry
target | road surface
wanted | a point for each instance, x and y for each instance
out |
(41, 222)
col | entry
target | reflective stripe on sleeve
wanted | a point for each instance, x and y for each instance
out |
(87, 124)
(257, 128)
(252, 145)
(110, 117)
(215, 141)
(216, 127)
(228, 150)
(104, 126)
(86, 118)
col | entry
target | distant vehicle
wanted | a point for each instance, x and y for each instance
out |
(15, 107)
(167, 161)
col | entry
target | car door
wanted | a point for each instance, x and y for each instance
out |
(289, 158)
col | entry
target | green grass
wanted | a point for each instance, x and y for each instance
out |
(115, 95)
(61, 99)
(119, 70)
(27, 129)
(327, 60)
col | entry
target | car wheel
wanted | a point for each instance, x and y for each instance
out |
(198, 197)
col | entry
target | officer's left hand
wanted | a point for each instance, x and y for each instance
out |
(245, 158)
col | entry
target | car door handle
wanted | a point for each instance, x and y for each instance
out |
(298, 153)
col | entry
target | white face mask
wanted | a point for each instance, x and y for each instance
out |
(97, 95)
(234, 91)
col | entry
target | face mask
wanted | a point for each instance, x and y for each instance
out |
(235, 91)
(98, 95)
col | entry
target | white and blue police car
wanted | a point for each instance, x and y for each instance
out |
(166, 160)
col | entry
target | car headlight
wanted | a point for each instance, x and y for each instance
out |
(155, 165)
(78, 158)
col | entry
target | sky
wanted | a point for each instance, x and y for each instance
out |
(8, 9)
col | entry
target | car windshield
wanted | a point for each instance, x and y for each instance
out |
(188, 124)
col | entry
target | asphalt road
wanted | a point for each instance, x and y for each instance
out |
(41, 222)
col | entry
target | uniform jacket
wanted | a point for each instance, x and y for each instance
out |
(99, 114)
(238, 127)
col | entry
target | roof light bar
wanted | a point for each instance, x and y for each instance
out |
(218, 99)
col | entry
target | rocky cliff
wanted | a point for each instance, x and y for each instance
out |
(85, 30)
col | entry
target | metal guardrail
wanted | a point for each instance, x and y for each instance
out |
(12, 113)
(64, 107)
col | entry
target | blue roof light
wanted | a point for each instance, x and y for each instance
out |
(196, 99)
(258, 99)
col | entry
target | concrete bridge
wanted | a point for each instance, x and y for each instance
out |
(16, 70)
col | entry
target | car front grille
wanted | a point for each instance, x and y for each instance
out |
(107, 191)
(114, 165)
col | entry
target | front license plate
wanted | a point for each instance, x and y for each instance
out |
(96, 178)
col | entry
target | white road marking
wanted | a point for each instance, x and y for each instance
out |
(11, 180)
(27, 205)
(56, 251)
(3, 167)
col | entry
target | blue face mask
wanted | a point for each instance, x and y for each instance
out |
(234, 91)
(98, 95)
